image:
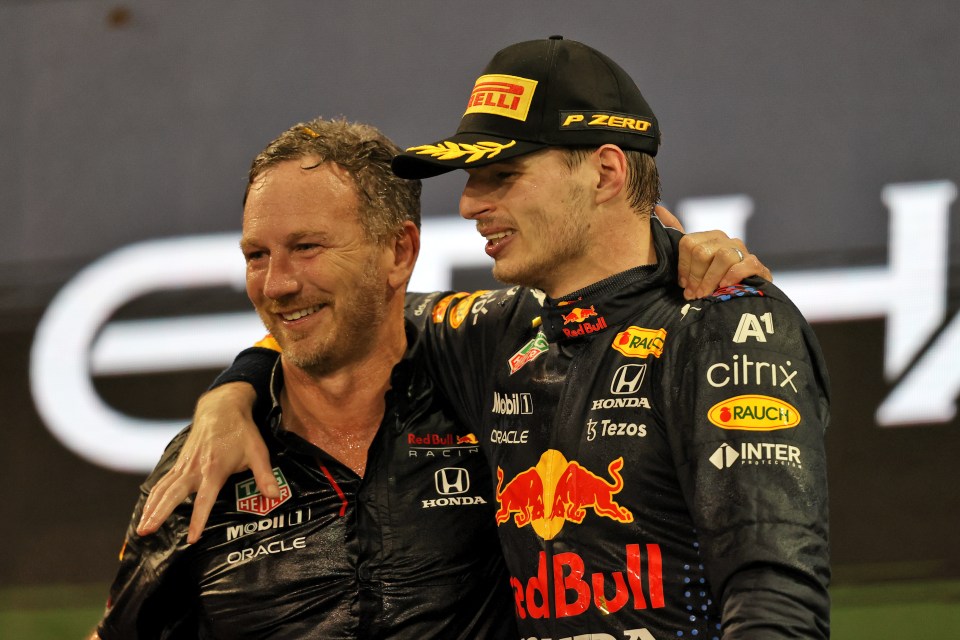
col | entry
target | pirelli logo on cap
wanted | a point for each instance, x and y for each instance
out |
(508, 96)
(586, 120)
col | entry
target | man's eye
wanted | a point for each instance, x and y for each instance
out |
(250, 256)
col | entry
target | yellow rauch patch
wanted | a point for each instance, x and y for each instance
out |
(637, 342)
(754, 413)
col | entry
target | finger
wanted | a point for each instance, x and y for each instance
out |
(154, 498)
(263, 470)
(751, 266)
(711, 262)
(697, 252)
(667, 218)
(721, 264)
(202, 506)
(685, 261)
(166, 502)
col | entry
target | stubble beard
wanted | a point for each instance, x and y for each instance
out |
(554, 252)
(350, 335)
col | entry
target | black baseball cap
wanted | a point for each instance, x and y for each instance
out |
(538, 94)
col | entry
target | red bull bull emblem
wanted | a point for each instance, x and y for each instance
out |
(578, 316)
(467, 439)
(556, 490)
(249, 499)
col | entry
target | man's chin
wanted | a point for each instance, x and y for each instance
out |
(520, 275)
(309, 362)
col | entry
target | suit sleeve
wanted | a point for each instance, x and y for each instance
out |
(253, 366)
(153, 596)
(463, 336)
(750, 405)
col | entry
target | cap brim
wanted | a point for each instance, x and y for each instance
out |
(461, 151)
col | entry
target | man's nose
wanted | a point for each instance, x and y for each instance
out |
(474, 200)
(281, 279)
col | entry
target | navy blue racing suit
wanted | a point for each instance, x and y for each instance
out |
(659, 463)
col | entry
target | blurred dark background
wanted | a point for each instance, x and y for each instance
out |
(130, 123)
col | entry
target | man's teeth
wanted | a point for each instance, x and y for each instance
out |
(493, 237)
(296, 315)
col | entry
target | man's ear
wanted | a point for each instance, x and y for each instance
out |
(405, 246)
(611, 164)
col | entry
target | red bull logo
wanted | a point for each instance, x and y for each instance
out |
(555, 490)
(432, 439)
(568, 591)
(467, 439)
(586, 328)
(250, 500)
(579, 315)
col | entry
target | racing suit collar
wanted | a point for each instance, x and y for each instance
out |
(410, 386)
(608, 302)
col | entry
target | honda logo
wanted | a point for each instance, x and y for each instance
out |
(451, 481)
(627, 379)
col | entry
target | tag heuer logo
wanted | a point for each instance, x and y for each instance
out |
(249, 499)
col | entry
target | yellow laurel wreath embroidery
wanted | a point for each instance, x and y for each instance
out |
(447, 150)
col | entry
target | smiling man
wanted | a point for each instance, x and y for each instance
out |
(330, 238)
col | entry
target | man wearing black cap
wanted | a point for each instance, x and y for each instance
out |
(660, 463)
